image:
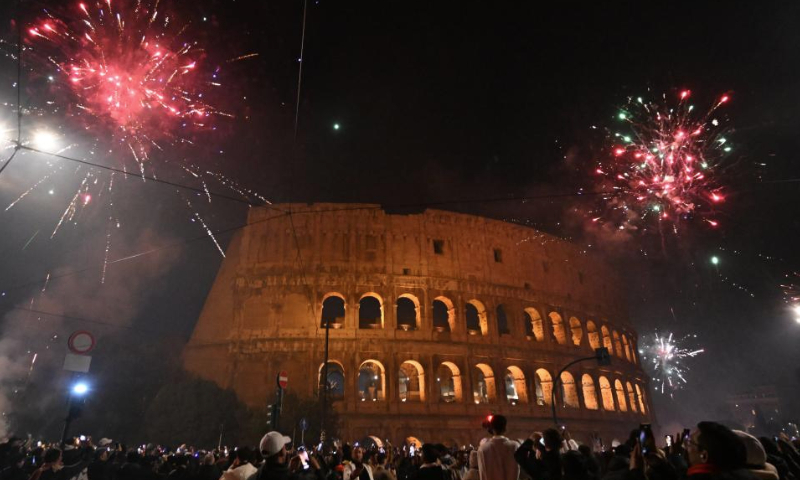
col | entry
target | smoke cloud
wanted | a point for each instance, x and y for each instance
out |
(40, 326)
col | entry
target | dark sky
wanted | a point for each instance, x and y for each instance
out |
(446, 101)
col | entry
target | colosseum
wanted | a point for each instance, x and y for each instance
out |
(436, 319)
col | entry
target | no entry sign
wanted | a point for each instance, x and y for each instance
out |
(81, 342)
(283, 379)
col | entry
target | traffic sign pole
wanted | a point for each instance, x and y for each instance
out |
(282, 381)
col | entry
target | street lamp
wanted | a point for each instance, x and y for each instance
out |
(44, 140)
(75, 403)
(80, 389)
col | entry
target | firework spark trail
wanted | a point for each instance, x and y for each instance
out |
(107, 251)
(667, 356)
(29, 190)
(108, 230)
(791, 288)
(665, 164)
(736, 285)
(202, 180)
(208, 230)
(791, 293)
(72, 206)
(244, 192)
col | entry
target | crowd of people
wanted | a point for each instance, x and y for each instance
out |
(711, 451)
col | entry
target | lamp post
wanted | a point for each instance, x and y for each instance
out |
(75, 403)
(324, 380)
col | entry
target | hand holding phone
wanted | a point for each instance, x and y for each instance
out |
(646, 439)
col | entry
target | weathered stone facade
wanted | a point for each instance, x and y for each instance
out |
(437, 319)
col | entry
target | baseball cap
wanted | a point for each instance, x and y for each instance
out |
(272, 443)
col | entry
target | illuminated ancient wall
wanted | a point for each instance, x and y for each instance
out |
(437, 319)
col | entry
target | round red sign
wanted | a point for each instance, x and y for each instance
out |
(81, 342)
(283, 379)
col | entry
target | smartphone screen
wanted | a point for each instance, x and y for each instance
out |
(668, 440)
(645, 437)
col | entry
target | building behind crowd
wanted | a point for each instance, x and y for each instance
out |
(760, 410)
(436, 319)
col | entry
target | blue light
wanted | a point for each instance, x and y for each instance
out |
(80, 388)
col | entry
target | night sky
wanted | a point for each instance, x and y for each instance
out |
(448, 102)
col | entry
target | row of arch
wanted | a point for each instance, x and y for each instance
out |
(371, 386)
(555, 329)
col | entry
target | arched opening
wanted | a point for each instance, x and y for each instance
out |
(607, 394)
(559, 335)
(617, 344)
(335, 379)
(477, 323)
(444, 315)
(370, 312)
(502, 321)
(534, 326)
(589, 392)
(568, 391)
(594, 336)
(640, 394)
(631, 397)
(626, 346)
(544, 387)
(372, 381)
(515, 386)
(607, 340)
(407, 312)
(576, 330)
(623, 406)
(483, 386)
(332, 311)
(448, 377)
(411, 382)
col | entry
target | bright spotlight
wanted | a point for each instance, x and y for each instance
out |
(44, 140)
(715, 260)
(80, 388)
(796, 310)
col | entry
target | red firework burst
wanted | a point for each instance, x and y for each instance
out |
(665, 163)
(128, 68)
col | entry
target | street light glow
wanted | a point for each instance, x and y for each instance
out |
(80, 388)
(44, 140)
